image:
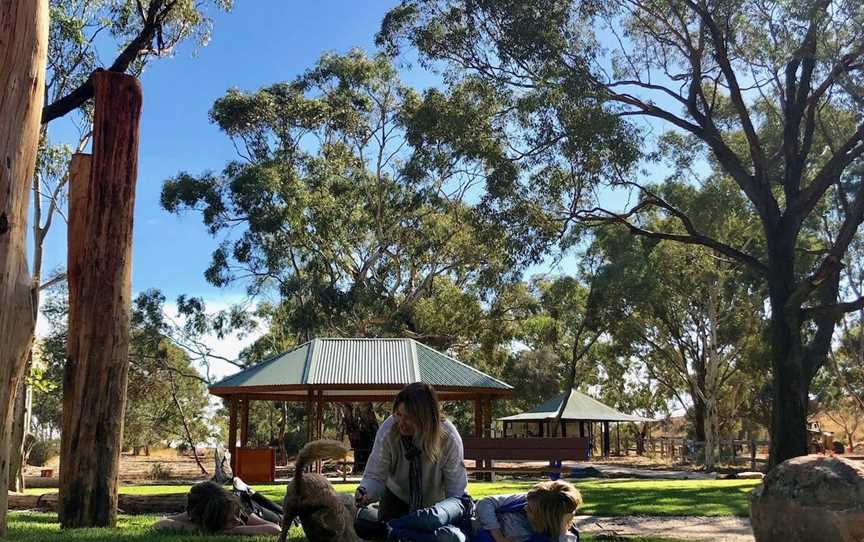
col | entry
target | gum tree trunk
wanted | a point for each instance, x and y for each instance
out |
(23, 51)
(100, 250)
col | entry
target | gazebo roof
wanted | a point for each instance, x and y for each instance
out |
(578, 407)
(357, 369)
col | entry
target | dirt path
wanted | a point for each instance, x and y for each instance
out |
(722, 529)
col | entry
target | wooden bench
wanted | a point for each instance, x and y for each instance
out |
(485, 451)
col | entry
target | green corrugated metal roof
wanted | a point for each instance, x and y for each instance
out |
(361, 362)
(286, 368)
(579, 407)
(438, 369)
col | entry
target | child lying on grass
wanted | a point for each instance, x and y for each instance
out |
(544, 514)
(210, 509)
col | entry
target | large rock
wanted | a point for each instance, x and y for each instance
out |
(811, 498)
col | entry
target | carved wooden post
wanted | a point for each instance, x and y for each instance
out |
(23, 50)
(100, 268)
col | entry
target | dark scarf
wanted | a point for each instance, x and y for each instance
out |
(415, 474)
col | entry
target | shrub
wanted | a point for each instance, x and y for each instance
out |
(160, 471)
(42, 451)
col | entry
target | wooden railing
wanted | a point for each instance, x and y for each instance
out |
(485, 451)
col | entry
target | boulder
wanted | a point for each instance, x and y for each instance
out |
(811, 498)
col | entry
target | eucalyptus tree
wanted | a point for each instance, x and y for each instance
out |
(338, 214)
(686, 317)
(769, 91)
(81, 34)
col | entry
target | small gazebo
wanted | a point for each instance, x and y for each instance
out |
(344, 371)
(581, 413)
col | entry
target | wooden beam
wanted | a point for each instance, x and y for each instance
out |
(100, 296)
(388, 390)
(303, 397)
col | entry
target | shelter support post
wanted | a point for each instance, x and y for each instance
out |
(478, 429)
(232, 433)
(319, 425)
(606, 440)
(244, 423)
(310, 416)
(487, 426)
(487, 417)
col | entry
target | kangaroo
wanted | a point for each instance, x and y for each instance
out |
(326, 516)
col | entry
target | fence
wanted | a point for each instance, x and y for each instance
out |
(728, 452)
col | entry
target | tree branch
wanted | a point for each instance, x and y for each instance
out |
(834, 312)
(721, 55)
(828, 175)
(157, 11)
(604, 216)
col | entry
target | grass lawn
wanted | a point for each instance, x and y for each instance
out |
(602, 497)
(38, 527)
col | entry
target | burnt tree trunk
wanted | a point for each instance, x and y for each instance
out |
(100, 252)
(361, 425)
(23, 51)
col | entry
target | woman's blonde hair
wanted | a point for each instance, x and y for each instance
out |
(553, 505)
(423, 409)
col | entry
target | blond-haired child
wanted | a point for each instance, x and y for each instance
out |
(544, 514)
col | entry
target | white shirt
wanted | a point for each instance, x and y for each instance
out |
(388, 468)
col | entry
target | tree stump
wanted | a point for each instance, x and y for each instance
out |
(23, 52)
(102, 196)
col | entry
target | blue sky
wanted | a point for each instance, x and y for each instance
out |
(260, 42)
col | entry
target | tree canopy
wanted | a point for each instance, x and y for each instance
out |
(769, 94)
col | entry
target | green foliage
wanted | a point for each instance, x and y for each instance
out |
(358, 229)
(160, 471)
(42, 452)
(662, 298)
(162, 381)
(568, 75)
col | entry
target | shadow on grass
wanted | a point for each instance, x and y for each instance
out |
(43, 527)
